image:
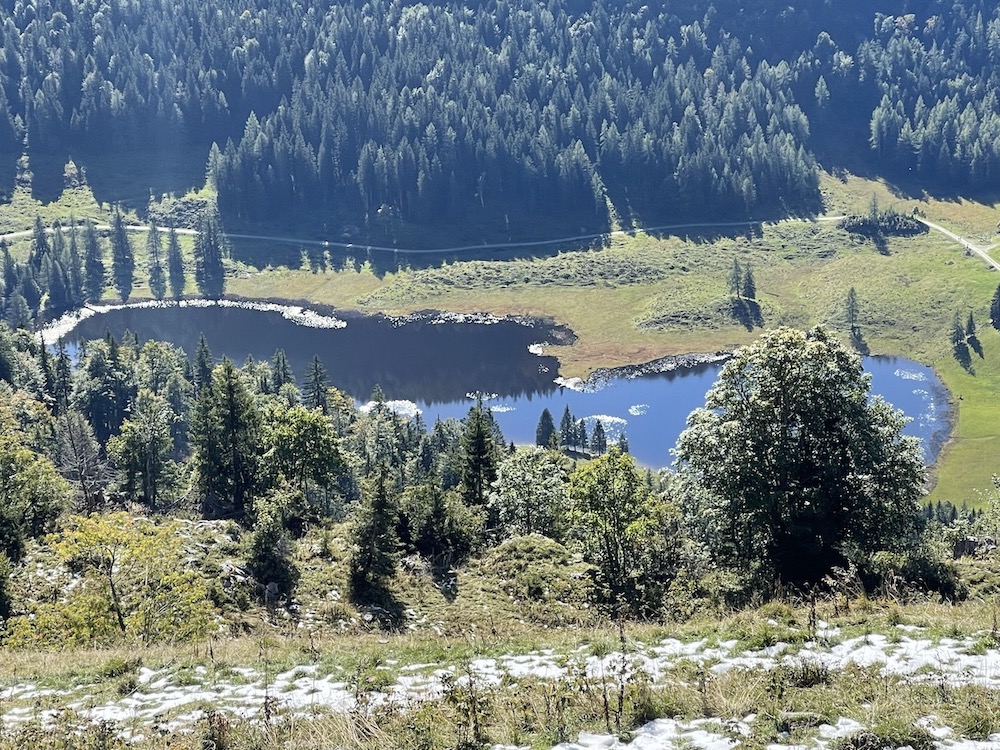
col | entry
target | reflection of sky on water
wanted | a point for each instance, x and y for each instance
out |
(438, 366)
(652, 409)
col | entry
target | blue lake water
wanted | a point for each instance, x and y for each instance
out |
(435, 365)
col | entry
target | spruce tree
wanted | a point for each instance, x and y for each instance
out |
(209, 272)
(373, 536)
(281, 371)
(545, 432)
(122, 257)
(735, 279)
(567, 429)
(154, 249)
(479, 455)
(175, 264)
(599, 440)
(93, 264)
(315, 386)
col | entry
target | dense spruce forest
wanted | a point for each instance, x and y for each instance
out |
(372, 114)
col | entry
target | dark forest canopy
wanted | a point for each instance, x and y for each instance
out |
(382, 112)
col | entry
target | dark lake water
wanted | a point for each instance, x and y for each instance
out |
(436, 365)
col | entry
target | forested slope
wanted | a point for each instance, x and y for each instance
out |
(406, 112)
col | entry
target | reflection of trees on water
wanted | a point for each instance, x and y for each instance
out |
(431, 361)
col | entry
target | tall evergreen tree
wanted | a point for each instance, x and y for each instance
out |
(281, 371)
(373, 535)
(567, 429)
(736, 279)
(175, 264)
(315, 386)
(122, 257)
(154, 249)
(93, 263)
(994, 307)
(226, 437)
(202, 364)
(545, 432)
(599, 440)
(479, 464)
(209, 272)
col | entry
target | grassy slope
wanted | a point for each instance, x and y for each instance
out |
(643, 297)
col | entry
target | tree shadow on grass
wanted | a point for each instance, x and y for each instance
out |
(748, 313)
(976, 345)
(381, 604)
(859, 343)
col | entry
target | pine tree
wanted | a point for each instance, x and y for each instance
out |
(202, 364)
(479, 461)
(93, 264)
(154, 249)
(175, 264)
(281, 371)
(73, 265)
(599, 440)
(226, 437)
(122, 257)
(853, 310)
(567, 429)
(545, 432)
(209, 272)
(315, 386)
(373, 536)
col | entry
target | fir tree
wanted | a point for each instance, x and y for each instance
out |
(545, 432)
(315, 385)
(154, 249)
(122, 257)
(209, 272)
(93, 263)
(175, 264)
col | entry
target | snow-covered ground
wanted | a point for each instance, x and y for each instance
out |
(171, 699)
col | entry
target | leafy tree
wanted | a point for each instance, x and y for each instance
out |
(93, 263)
(791, 469)
(135, 586)
(154, 249)
(434, 522)
(175, 264)
(31, 491)
(122, 257)
(545, 432)
(612, 517)
(528, 496)
(304, 449)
